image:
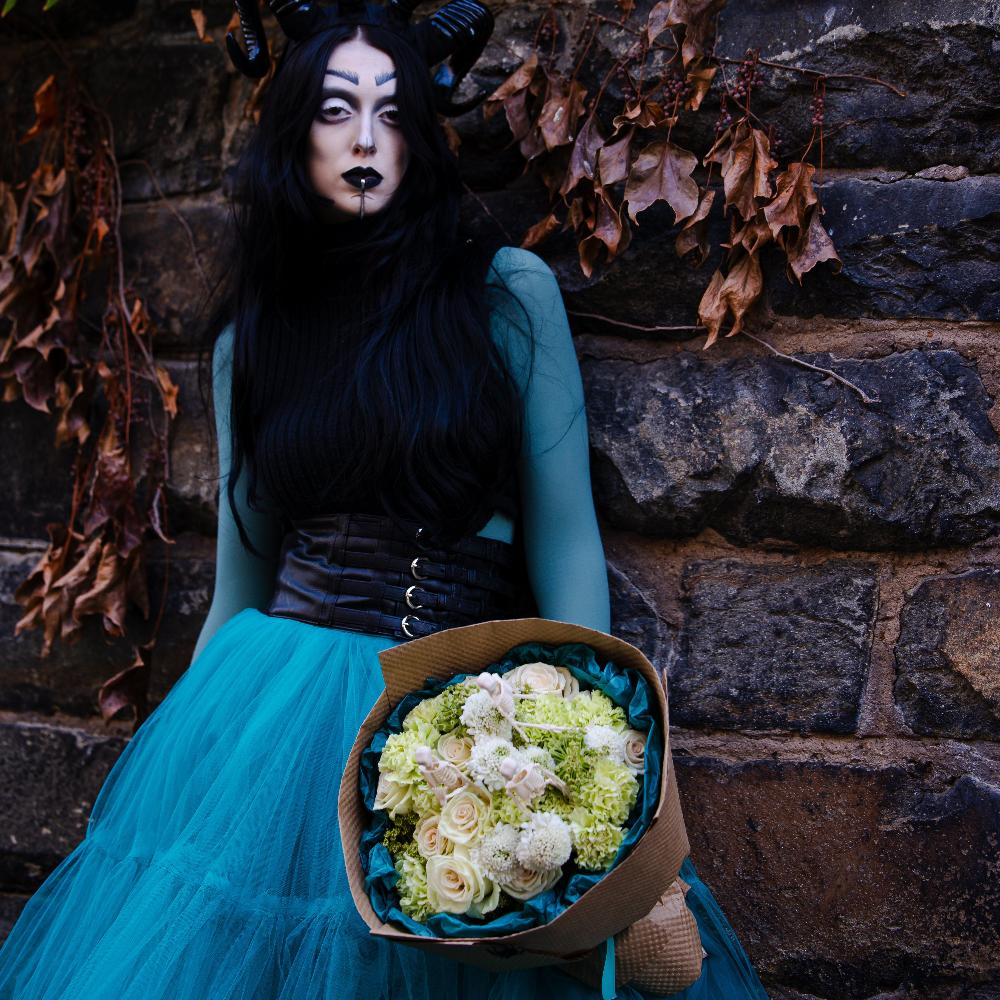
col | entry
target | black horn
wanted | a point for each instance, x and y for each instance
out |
(298, 18)
(256, 60)
(460, 29)
(403, 9)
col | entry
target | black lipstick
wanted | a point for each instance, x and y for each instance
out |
(362, 177)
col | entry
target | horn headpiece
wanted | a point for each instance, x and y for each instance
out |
(454, 36)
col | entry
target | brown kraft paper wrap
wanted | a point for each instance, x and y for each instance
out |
(640, 900)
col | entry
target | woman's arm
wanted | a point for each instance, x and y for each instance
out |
(563, 547)
(242, 580)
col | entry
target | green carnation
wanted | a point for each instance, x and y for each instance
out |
(554, 801)
(506, 808)
(610, 792)
(596, 707)
(596, 843)
(397, 754)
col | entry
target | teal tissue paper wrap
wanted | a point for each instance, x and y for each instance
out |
(625, 687)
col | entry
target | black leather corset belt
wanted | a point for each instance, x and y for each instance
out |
(366, 573)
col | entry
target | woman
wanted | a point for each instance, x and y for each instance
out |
(398, 412)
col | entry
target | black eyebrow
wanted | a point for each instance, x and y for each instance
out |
(346, 74)
(329, 91)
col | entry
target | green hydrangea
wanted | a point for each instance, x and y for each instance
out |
(610, 793)
(449, 703)
(398, 836)
(412, 887)
(596, 843)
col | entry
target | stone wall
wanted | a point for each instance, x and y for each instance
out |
(817, 578)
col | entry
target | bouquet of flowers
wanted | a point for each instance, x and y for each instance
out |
(494, 784)
(510, 802)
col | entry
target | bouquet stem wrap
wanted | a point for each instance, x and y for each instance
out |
(625, 895)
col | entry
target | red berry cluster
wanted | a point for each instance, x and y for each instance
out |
(725, 119)
(817, 107)
(676, 88)
(625, 82)
(747, 77)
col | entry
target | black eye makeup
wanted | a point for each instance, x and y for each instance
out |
(330, 111)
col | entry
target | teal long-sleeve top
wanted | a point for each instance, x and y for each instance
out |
(563, 550)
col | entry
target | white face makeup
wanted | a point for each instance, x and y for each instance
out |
(356, 133)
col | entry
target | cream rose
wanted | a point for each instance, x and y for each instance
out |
(454, 748)
(544, 678)
(394, 796)
(463, 816)
(635, 750)
(429, 838)
(525, 883)
(455, 884)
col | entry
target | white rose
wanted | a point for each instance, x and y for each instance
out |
(635, 750)
(393, 795)
(463, 817)
(429, 838)
(455, 884)
(542, 678)
(525, 883)
(454, 748)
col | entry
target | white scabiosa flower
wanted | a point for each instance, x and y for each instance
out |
(605, 740)
(538, 755)
(545, 842)
(488, 753)
(482, 717)
(496, 853)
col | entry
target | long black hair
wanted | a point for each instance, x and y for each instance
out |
(416, 402)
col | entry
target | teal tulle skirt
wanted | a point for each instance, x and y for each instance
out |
(212, 867)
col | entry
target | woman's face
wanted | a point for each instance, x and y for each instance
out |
(356, 133)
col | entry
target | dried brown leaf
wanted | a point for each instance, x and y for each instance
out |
(540, 230)
(613, 160)
(746, 164)
(794, 195)
(812, 245)
(561, 111)
(662, 172)
(588, 145)
(46, 108)
(694, 232)
(732, 294)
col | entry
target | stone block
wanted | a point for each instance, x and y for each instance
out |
(774, 647)
(174, 256)
(68, 679)
(759, 449)
(948, 656)
(912, 246)
(845, 880)
(49, 778)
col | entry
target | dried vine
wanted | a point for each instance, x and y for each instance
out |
(77, 343)
(561, 136)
